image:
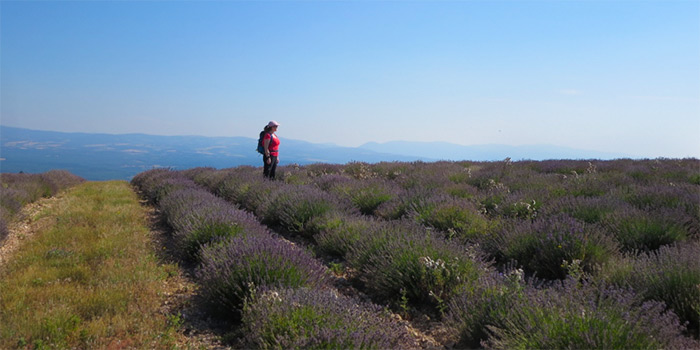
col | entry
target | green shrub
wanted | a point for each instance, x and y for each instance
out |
(340, 232)
(295, 207)
(230, 270)
(571, 315)
(457, 217)
(414, 264)
(637, 229)
(670, 274)
(487, 303)
(545, 245)
(318, 319)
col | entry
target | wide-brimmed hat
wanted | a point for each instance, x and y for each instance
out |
(273, 123)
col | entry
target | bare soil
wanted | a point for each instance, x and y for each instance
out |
(182, 302)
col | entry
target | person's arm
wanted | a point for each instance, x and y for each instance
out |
(266, 145)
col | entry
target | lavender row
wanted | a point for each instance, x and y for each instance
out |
(401, 262)
(507, 311)
(240, 259)
(606, 212)
(17, 190)
(234, 252)
(319, 319)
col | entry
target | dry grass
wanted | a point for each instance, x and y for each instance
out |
(90, 280)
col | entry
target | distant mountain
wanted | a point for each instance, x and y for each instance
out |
(108, 156)
(448, 151)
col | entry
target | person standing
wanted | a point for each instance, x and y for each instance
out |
(271, 144)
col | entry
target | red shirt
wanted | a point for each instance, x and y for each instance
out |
(274, 145)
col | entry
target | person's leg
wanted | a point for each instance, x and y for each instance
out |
(273, 166)
(266, 167)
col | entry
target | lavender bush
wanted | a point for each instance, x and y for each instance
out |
(155, 184)
(318, 319)
(486, 303)
(320, 169)
(663, 195)
(565, 167)
(206, 177)
(590, 210)
(428, 176)
(295, 206)
(27, 188)
(492, 196)
(12, 199)
(330, 182)
(461, 190)
(391, 170)
(230, 269)
(145, 180)
(250, 191)
(457, 217)
(340, 232)
(573, 315)
(183, 207)
(365, 195)
(670, 274)
(20, 189)
(359, 170)
(198, 217)
(413, 265)
(544, 246)
(56, 180)
(521, 206)
(637, 229)
(17, 190)
(400, 206)
(294, 174)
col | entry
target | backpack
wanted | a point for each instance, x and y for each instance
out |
(261, 148)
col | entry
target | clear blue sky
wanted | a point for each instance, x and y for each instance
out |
(620, 76)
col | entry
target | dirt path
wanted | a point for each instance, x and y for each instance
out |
(182, 302)
(26, 224)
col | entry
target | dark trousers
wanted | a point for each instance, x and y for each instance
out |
(269, 169)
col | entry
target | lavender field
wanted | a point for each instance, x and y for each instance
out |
(528, 254)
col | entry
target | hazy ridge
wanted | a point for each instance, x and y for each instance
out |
(121, 156)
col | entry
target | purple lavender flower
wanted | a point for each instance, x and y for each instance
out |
(312, 318)
(230, 269)
(366, 194)
(17, 190)
(670, 274)
(581, 315)
(295, 206)
(453, 216)
(486, 303)
(406, 259)
(200, 217)
(157, 183)
(544, 245)
(637, 229)
(590, 210)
